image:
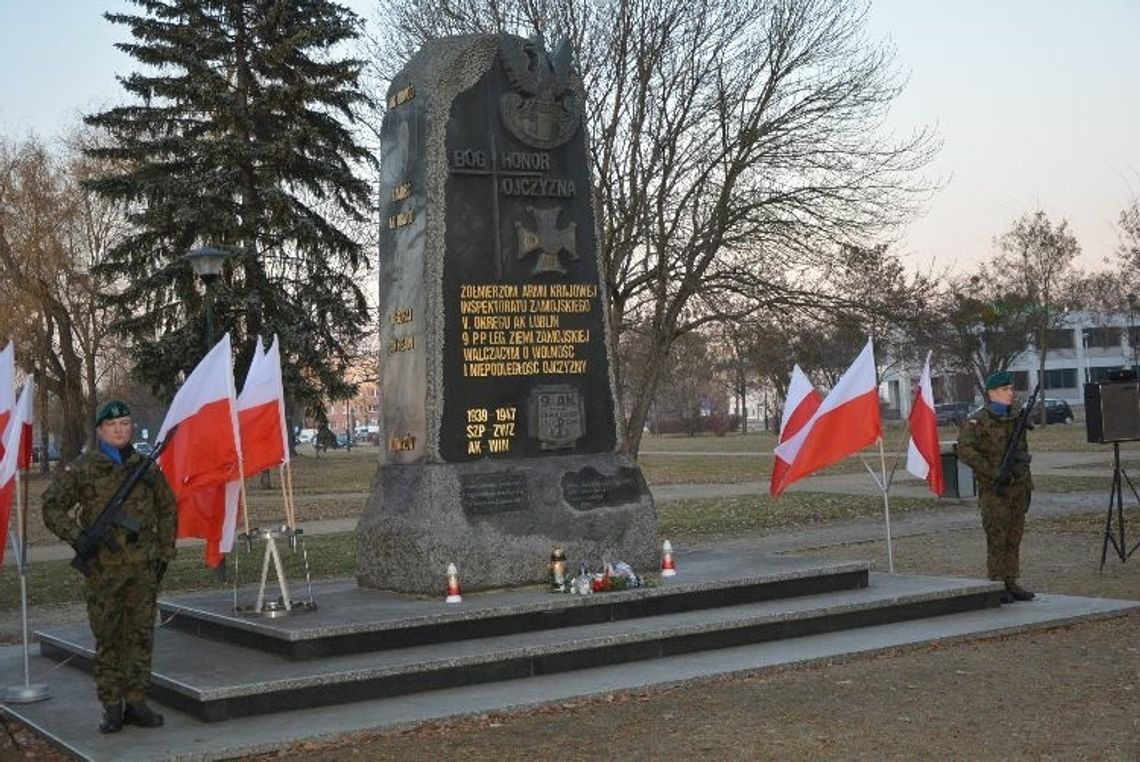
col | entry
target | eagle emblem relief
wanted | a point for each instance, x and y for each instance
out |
(541, 109)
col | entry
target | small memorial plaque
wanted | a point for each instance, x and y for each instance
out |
(496, 492)
(588, 489)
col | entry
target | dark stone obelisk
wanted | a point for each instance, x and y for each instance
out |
(499, 423)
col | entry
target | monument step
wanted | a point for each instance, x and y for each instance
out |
(214, 680)
(349, 619)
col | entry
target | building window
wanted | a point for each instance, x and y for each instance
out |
(1060, 378)
(1097, 375)
(1021, 380)
(1059, 338)
(1103, 338)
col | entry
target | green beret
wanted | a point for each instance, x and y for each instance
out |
(1001, 378)
(112, 409)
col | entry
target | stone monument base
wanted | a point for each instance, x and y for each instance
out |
(497, 521)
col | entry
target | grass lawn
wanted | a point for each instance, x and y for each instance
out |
(756, 513)
(336, 484)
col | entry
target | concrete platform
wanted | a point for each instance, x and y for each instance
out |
(394, 687)
(70, 716)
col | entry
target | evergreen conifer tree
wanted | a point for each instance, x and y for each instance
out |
(240, 137)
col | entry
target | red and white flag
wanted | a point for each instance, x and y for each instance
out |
(923, 455)
(17, 440)
(7, 390)
(261, 413)
(205, 451)
(846, 422)
(802, 401)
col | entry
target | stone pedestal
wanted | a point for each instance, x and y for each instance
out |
(498, 522)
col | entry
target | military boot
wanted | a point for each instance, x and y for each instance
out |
(138, 713)
(1018, 592)
(112, 719)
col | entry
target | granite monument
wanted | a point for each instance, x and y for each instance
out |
(499, 425)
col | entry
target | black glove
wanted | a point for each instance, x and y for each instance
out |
(86, 546)
(159, 570)
(1002, 481)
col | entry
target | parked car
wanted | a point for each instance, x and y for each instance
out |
(951, 413)
(1056, 411)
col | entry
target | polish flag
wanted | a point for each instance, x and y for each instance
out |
(20, 424)
(7, 390)
(802, 401)
(846, 422)
(261, 413)
(923, 455)
(205, 452)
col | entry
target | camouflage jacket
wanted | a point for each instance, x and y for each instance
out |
(78, 495)
(982, 441)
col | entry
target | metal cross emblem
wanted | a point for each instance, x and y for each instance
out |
(548, 240)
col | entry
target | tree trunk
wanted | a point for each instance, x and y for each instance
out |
(643, 398)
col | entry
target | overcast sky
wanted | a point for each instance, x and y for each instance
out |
(1034, 100)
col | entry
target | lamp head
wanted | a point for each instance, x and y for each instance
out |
(206, 262)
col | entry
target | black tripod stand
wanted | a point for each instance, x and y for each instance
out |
(1118, 478)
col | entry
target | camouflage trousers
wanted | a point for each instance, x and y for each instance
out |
(121, 609)
(1003, 518)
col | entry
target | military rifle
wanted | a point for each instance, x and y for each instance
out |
(1005, 472)
(99, 533)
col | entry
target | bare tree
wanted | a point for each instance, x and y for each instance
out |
(1037, 256)
(985, 324)
(735, 145)
(1128, 252)
(51, 234)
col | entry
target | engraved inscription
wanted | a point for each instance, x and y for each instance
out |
(400, 97)
(406, 443)
(401, 191)
(497, 492)
(588, 489)
(401, 219)
(401, 344)
(487, 435)
(527, 329)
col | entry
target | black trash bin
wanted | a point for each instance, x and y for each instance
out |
(957, 477)
(950, 473)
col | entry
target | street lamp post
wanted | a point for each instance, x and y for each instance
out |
(1088, 363)
(1131, 320)
(207, 265)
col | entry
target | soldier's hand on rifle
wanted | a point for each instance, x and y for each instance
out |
(86, 546)
(1002, 481)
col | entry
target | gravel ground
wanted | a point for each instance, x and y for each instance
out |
(1070, 692)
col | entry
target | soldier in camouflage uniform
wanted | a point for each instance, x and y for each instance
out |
(982, 441)
(123, 586)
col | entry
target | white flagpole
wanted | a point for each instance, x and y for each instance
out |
(29, 692)
(887, 508)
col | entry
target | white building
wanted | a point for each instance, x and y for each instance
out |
(1089, 347)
